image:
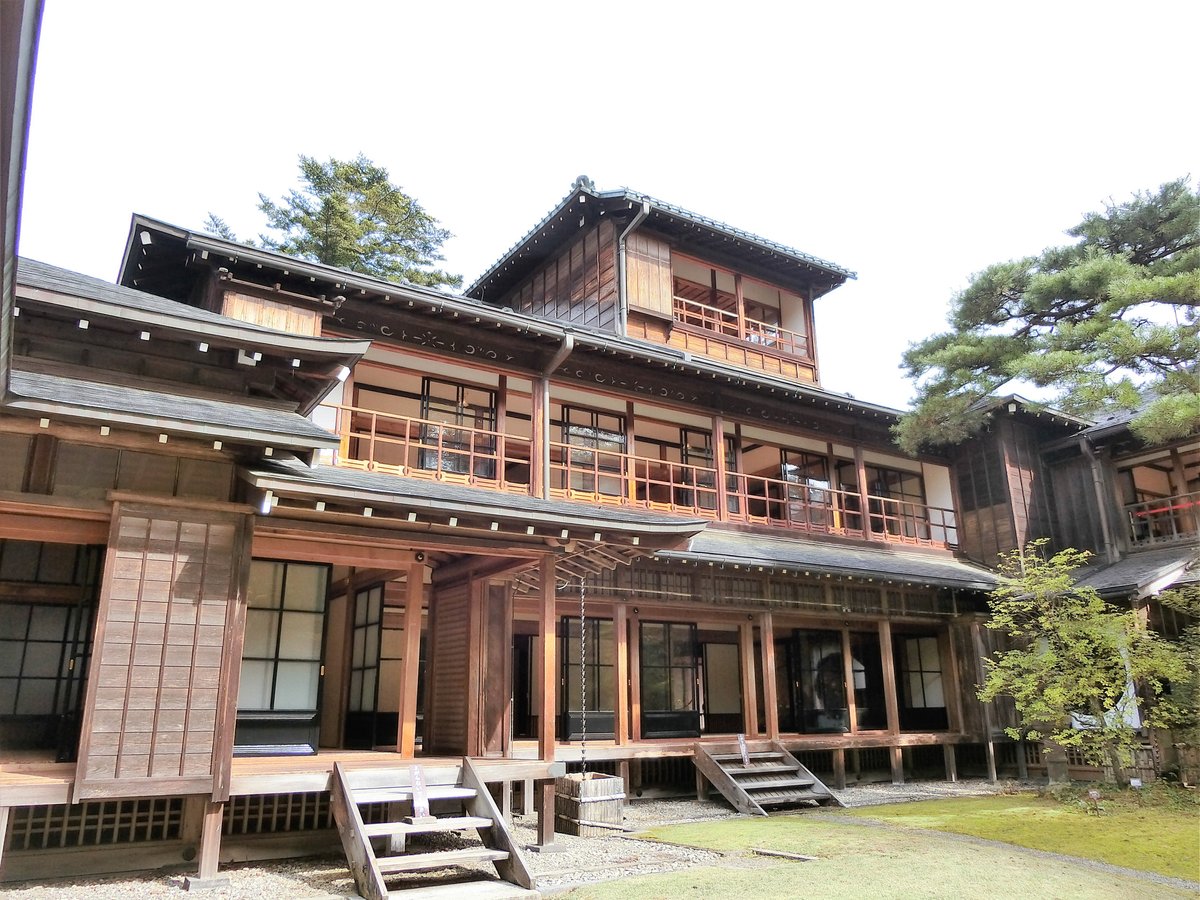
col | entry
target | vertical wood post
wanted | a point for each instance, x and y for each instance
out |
(889, 677)
(721, 464)
(749, 687)
(210, 850)
(548, 673)
(897, 757)
(990, 746)
(5, 813)
(951, 762)
(527, 797)
(539, 446)
(635, 677)
(502, 430)
(545, 828)
(741, 304)
(621, 673)
(848, 674)
(414, 600)
(839, 768)
(860, 468)
(952, 679)
(623, 771)
(628, 462)
(770, 700)
(1022, 762)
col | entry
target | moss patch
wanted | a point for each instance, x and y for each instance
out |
(1162, 838)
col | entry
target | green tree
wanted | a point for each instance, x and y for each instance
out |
(350, 215)
(1183, 711)
(1110, 322)
(1071, 658)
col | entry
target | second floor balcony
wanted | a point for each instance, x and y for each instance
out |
(592, 468)
(1164, 520)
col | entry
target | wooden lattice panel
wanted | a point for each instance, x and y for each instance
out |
(162, 682)
(95, 824)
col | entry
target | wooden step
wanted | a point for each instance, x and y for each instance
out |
(737, 757)
(764, 769)
(399, 794)
(413, 862)
(772, 784)
(466, 890)
(446, 823)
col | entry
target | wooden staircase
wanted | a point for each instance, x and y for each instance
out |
(379, 849)
(768, 777)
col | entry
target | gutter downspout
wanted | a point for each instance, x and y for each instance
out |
(622, 277)
(1089, 453)
(543, 385)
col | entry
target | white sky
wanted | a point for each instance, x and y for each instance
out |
(914, 143)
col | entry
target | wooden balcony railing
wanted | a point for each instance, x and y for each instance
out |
(1164, 521)
(422, 448)
(725, 322)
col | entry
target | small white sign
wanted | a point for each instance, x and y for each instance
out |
(1135, 783)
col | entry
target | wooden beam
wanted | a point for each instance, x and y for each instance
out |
(343, 552)
(749, 686)
(621, 672)
(414, 602)
(770, 698)
(548, 673)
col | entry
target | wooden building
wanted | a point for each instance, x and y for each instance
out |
(261, 515)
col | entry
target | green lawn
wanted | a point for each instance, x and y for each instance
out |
(1153, 838)
(858, 858)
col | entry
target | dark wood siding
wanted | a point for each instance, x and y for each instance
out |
(579, 285)
(162, 685)
(985, 519)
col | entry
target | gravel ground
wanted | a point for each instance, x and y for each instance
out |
(578, 860)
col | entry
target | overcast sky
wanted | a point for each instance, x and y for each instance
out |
(913, 143)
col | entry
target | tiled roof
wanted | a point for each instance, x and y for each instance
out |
(1142, 569)
(403, 490)
(827, 557)
(259, 422)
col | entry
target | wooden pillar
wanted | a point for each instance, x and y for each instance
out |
(635, 677)
(951, 762)
(1022, 762)
(548, 673)
(527, 797)
(741, 303)
(770, 700)
(210, 850)
(502, 429)
(721, 464)
(749, 687)
(860, 468)
(989, 746)
(1190, 515)
(889, 677)
(539, 447)
(848, 674)
(951, 680)
(897, 756)
(545, 829)
(623, 771)
(621, 673)
(628, 462)
(839, 768)
(414, 602)
(701, 786)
